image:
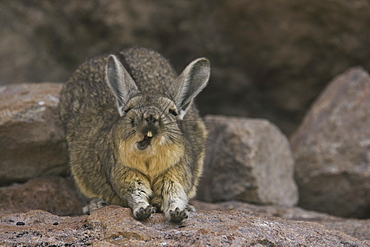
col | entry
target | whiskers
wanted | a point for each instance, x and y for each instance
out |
(175, 136)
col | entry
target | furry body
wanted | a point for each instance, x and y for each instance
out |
(142, 155)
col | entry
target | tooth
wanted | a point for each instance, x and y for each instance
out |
(149, 134)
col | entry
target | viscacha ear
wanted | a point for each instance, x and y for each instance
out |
(190, 83)
(120, 82)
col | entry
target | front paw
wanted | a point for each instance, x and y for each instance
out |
(144, 213)
(177, 216)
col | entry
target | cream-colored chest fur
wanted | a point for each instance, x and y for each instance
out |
(154, 160)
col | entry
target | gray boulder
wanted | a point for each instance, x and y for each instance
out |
(332, 148)
(247, 160)
(32, 141)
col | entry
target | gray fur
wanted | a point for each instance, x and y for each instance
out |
(134, 136)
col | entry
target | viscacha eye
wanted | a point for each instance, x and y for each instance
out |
(127, 110)
(173, 112)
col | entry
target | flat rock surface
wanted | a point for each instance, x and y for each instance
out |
(354, 227)
(115, 226)
(216, 224)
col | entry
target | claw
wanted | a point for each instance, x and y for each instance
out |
(143, 214)
(177, 216)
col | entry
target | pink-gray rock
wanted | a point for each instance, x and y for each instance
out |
(115, 226)
(32, 141)
(332, 148)
(247, 160)
(40, 228)
(356, 228)
(54, 194)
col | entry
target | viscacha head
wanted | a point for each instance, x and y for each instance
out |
(150, 120)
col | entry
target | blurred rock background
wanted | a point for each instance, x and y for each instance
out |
(270, 59)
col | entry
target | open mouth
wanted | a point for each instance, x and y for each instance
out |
(145, 142)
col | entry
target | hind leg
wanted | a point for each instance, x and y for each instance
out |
(94, 204)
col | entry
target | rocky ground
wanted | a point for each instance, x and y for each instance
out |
(214, 224)
(114, 226)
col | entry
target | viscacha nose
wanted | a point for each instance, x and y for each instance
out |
(151, 116)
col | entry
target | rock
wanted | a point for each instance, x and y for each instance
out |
(247, 160)
(115, 226)
(54, 194)
(32, 141)
(332, 148)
